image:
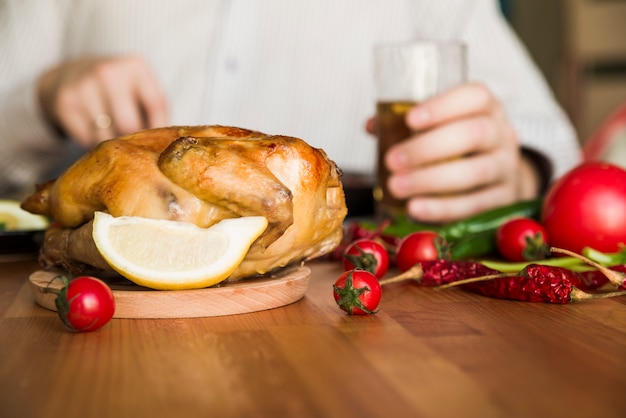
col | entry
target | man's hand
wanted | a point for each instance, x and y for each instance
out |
(463, 159)
(94, 99)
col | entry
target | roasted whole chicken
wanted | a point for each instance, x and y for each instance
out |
(201, 175)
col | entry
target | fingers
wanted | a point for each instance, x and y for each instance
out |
(97, 99)
(370, 125)
(474, 170)
(119, 99)
(136, 100)
(461, 101)
(82, 113)
(459, 206)
(455, 176)
(152, 98)
(464, 120)
(99, 119)
(460, 187)
(453, 140)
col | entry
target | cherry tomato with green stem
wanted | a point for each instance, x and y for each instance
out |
(522, 239)
(421, 246)
(85, 303)
(357, 292)
(367, 254)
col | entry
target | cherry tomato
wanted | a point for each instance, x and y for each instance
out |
(367, 254)
(421, 246)
(357, 292)
(587, 207)
(522, 239)
(85, 303)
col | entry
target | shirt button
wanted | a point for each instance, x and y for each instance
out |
(231, 64)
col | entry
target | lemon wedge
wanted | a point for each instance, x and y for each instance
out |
(172, 255)
(13, 217)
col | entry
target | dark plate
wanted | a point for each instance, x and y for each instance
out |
(17, 242)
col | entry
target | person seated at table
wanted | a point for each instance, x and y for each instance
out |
(76, 73)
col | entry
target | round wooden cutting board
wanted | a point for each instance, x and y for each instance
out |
(132, 301)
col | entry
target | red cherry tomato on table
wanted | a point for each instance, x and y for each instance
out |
(85, 303)
(522, 239)
(421, 246)
(586, 207)
(357, 292)
(366, 254)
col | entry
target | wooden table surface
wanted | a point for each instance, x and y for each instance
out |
(427, 353)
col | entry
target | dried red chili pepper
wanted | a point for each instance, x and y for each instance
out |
(536, 283)
(440, 272)
(590, 280)
(615, 275)
(547, 290)
(530, 289)
(586, 281)
(597, 278)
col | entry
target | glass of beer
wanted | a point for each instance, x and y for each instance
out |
(407, 74)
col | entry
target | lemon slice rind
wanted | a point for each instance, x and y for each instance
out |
(170, 255)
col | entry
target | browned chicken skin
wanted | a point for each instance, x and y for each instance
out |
(200, 175)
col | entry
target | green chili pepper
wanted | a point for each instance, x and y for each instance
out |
(570, 263)
(471, 237)
(475, 245)
(490, 220)
(455, 231)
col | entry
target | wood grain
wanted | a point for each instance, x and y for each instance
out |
(426, 353)
(244, 296)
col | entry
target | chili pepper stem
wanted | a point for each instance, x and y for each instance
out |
(614, 277)
(414, 273)
(578, 295)
(477, 279)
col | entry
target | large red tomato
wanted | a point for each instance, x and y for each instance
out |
(587, 207)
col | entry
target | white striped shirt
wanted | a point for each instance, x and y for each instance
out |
(300, 68)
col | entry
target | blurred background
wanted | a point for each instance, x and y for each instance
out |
(580, 46)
